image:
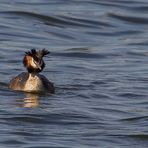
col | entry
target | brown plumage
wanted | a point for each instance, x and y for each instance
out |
(32, 81)
(36, 56)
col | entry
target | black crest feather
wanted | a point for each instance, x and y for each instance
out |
(31, 53)
(45, 52)
(40, 53)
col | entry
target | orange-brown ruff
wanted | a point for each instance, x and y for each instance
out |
(32, 81)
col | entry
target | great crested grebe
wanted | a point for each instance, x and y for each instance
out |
(32, 81)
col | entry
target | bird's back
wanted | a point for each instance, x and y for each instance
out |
(47, 84)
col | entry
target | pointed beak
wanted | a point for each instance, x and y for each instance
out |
(39, 67)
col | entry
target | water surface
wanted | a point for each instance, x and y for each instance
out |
(98, 62)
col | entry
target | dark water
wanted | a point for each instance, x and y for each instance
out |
(98, 62)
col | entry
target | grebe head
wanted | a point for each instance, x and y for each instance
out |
(33, 60)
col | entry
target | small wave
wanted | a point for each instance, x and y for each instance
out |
(139, 136)
(141, 9)
(130, 19)
(116, 33)
(88, 21)
(80, 55)
(60, 21)
(131, 95)
(46, 19)
(12, 142)
(2, 84)
(23, 133)
(134, 119)
(53, 118)
(25, 119)
(143, 43)
(137, 53)
(84, 53)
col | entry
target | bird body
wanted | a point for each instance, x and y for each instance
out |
(32, 81)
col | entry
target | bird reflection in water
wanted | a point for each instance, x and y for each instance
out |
(30, 101)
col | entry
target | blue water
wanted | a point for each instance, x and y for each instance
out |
(99, 66)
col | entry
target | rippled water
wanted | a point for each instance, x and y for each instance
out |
(98, 62)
